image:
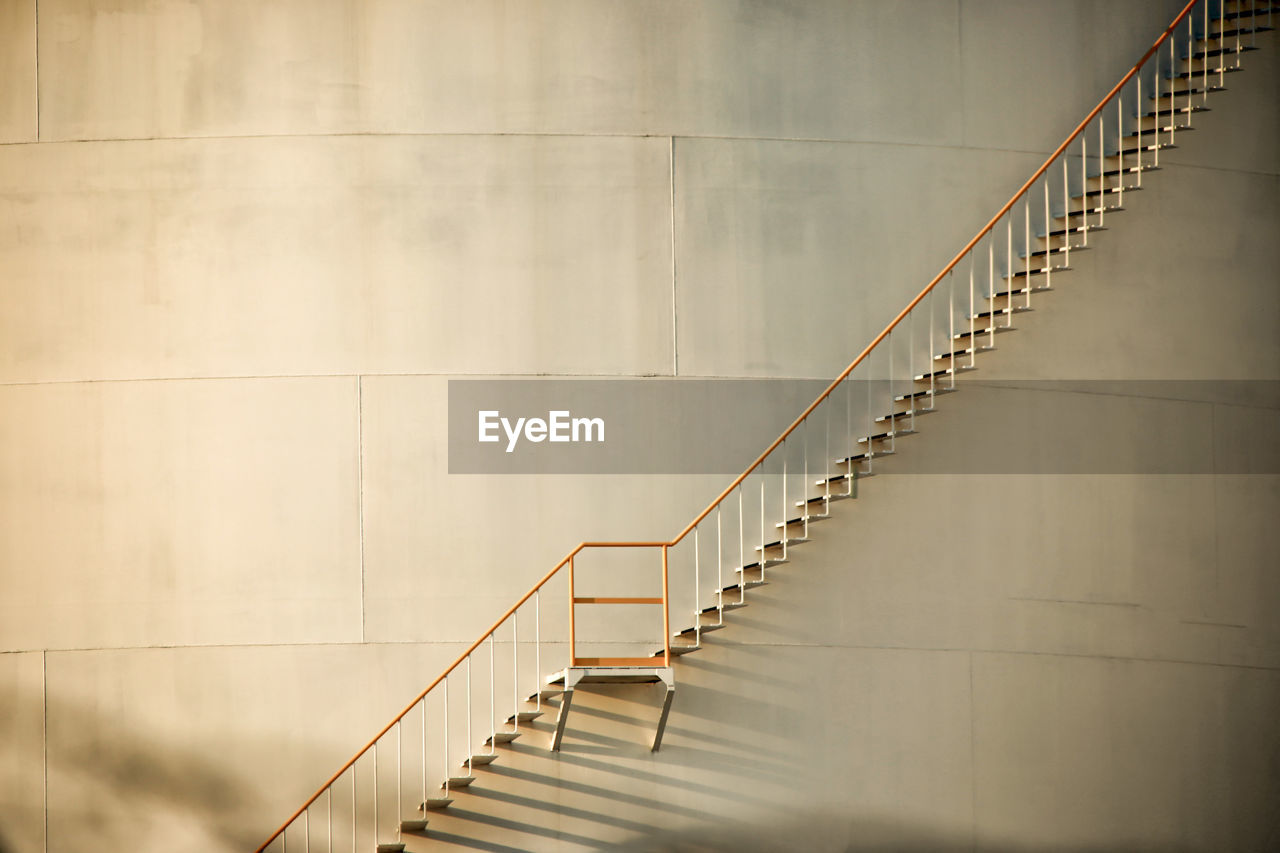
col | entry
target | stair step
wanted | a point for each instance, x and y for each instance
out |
(855, 459)
(1218, 51)
(1024, 290)
(436, 803)
(1200, 72)
(460, 781)
(414, 825)
(909, 413)
(548, 692)
(886, 435)
(1243, 13)
(768, 564)
(791, 540)
(997, 312)
(1183, 93)
(481, 759)
(1074, 229)
(1176, 110)
(1090, 211)
(735, 589)
(800, 520)
(524, 717)
(499, 738)
(835, 496)
(1144, 148)
(1056, 250)
(928, 392)
(693, 631)
(961, 353)
(980, 330)
(677, 650)
(1237, 31)
(1026, 273)
(949, 371)
(1126, 170)
(390, 847)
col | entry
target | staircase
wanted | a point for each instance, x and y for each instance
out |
(498, 690)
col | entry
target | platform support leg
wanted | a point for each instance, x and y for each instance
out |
(571, 679)
(669, 680)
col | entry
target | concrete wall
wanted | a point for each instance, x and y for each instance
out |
(244, 245)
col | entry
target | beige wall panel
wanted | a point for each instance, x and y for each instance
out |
(166, 513)
(211, 749)
(306, 256)
(1120, 754)
(1030, 71)
(22, 753)
(792, 256)
(18, 120)
(434, 567)
(1109, 565)
(165, 69)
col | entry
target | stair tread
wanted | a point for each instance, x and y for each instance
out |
(499, 738)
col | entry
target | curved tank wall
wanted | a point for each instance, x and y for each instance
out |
(244, 246)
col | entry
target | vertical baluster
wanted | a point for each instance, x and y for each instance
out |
(399, 773)
(1173, 69)
(763, 540)
(573, 635)
(991, 284)
(1084, 188)
(306, 830)
(1026, 242)
(891, 424)
(1008, 263)
(1222, 28)
(328, 795)
(424, 756)
(493, 709)
(697, 593)
(1205, 67)
(1120, 149)
(951, 325)
(469, 740)
(515, 671)
(537, 649)
(719, 562)
(933, 377)
(973, 339)
(354, 815)
(783, 538)
(1191, 51)
(911, 367)
(1102, 168)
(447, 770)
(742, 545)
(375, 794)
(871, 428)
(804, 490)
(1139, 143)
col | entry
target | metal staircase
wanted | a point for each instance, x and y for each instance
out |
(387, 791)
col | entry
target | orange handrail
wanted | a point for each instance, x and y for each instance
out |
(986, 229)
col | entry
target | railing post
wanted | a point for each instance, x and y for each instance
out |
(666, 613)
(573, 646)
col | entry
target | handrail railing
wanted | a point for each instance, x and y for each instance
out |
(1078, 134)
